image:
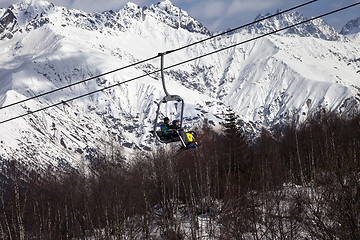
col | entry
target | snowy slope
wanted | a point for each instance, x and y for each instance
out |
(265, 81)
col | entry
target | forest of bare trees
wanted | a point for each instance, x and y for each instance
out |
(301, 184)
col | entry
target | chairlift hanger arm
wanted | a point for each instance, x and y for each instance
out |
(162, 72)
(168, 98)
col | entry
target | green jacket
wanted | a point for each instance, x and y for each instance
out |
(165, 129)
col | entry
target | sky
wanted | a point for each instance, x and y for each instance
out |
(220, 15)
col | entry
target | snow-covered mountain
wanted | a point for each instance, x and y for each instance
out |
(266, 81)
(317, 28)
(352, 28)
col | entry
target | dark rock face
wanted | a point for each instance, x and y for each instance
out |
(8, 25)
(351, 27)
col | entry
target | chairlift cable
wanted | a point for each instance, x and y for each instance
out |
(77, 83)
(152, 58)
(261, 36)
(189, 60)
(242, 26)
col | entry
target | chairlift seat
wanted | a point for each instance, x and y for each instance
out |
(167, 139)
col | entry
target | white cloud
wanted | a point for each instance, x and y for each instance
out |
(213, 9)
(243, 6)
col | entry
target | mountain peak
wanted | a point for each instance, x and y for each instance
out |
(317, 28)
(31, 14)
(131, 5)
(165, 3)
(266, 81)
(34, 6)
(18, 16)
(167, 7)
(352, 27)
(175, 17)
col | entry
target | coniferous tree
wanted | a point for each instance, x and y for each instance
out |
(236, 151)
(231, 130)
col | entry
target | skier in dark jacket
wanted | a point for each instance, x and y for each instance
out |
(175, 124)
